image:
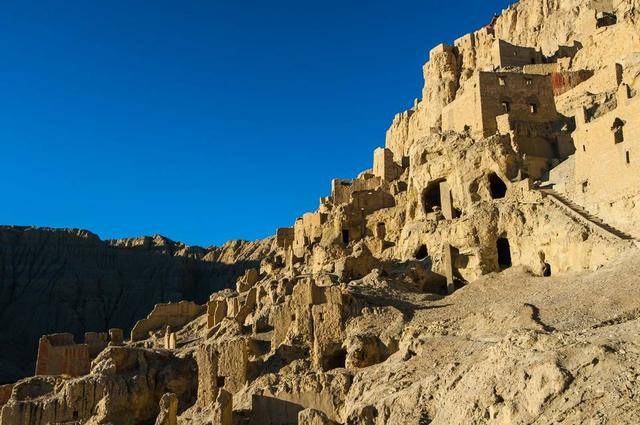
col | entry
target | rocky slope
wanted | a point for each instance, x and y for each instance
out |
(443, 286)
(69, 280)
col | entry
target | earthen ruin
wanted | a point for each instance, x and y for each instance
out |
(518, 167)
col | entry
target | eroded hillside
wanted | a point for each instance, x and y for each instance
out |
(70, 280)
(484, 270)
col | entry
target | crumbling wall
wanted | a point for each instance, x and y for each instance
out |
(273, 411)
(384, 165)
(96, 342)
(233, 363)
(280, 400)
(58, 354)
(307, 230)
(465, 112)
(605, 144)
(540, 144)
(175, 315)
(124, 388)
(486, 96)
(509, 55)
(207, 361)
(5, 394)
(563, 81)
(216, 312)
(284, 237)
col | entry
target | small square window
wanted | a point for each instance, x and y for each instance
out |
(502, 81)
(506, 106)
(528, 81)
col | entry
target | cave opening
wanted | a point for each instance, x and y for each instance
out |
(504, 253)
(497, 187)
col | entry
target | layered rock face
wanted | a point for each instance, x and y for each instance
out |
(69, 280)
(484, 270)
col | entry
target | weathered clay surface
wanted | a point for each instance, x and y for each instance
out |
(71, 281)
(485, 269)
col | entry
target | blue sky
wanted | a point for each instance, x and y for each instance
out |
(202, 120)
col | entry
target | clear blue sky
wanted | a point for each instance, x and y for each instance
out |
(202, 120)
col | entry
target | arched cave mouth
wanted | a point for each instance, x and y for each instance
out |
(421, 252)
(336, 360)
(497, 186)
(431, 199)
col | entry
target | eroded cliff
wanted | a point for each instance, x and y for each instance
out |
(69, 280)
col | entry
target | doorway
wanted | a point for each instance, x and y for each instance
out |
(504, 253)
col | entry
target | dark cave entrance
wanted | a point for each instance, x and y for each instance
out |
(336, 360)
(497, 187)
(421, 253)
(504, 253)
(345, 236)
(431, 200)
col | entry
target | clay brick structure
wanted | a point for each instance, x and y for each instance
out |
(390, 302)
(233, 363)
(284, 237)
(525, 97)
(216, 311)
(246, 281)
(342, 189)
(163, 315)
(96, 342)
(272, 410)
(541, 144)
(563, 81)
(509, 55)
(207, 360)
(236, 307)
(58, 354)
(384, 165)
(608, 143)
(307, 230)
(116, 336)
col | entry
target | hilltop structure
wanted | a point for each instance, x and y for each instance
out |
(503, 167)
